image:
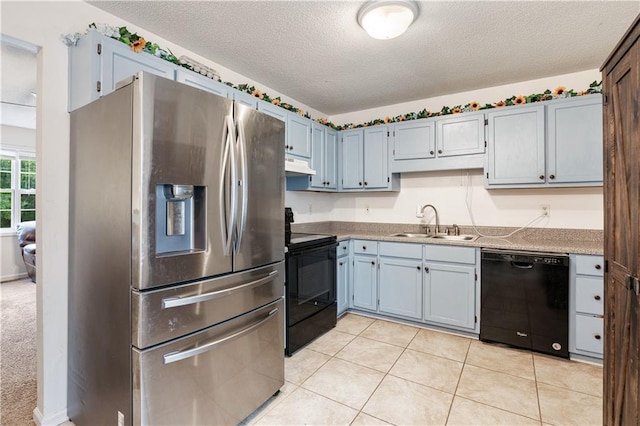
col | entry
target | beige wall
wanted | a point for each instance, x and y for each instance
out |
(448, 191)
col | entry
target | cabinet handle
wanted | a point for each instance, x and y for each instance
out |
(418, 267)
(365, 183)
(541, 177)
(439, 151)
(426, 269)
(290, 147)
(598, 267)
(360, 183)
(341, 263)
(286, 147)
(597, 297)
(431, 152)
(344, 247)
(597, 337)
(552, 176)
(373, 262)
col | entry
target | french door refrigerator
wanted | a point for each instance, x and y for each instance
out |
(176, 262)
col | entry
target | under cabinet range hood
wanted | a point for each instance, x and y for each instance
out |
(295, 167)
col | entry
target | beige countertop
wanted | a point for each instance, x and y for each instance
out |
(551, 240)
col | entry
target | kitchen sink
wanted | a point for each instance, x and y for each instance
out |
(455, 237)
(439, 236)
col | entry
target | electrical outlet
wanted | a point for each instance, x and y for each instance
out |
(545, 210)
(367, 209)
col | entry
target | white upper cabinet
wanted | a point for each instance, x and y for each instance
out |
(97, 63)
(574, 140)
(202, 82)
(553, 143)
(516, 145)
(443, 143)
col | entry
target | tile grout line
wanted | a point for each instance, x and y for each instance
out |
(455, 391)
(535, 378)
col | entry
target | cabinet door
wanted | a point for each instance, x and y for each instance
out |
(244, 98)
(120, 62)
(376, 158)
(574, 137)
(461, 135)
(449, 294)
(516, 146)
(365, 292)
(299, 135)
(401, 287)
(343, 283)
(201, 82)
(318, 155)
(414, 140)
(331, 159)
(352, 159)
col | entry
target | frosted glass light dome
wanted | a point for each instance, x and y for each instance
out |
(385, 20)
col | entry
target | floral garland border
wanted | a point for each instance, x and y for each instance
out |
(138, 44)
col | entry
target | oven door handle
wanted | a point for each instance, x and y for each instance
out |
(188, 353)
(172, 302)
(311, 250)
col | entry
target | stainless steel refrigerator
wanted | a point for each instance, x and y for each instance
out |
(176, 262)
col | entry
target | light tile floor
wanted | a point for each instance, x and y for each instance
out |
(373, 372)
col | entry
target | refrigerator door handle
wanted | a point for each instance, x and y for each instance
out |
(242, 147)
(172, 302)
(197, 350)
(228, 216)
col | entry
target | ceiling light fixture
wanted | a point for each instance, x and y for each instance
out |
(387, 19)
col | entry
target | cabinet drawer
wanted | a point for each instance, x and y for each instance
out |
(589, 335)
(450, 254)
(590, 295)
(343, 248)
(590, 265)
(365, 247)
(407, 251)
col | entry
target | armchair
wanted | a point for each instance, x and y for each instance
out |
(27, 242)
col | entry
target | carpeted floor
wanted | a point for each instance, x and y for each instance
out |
(18, 393)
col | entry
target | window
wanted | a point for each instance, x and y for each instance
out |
(17, 188)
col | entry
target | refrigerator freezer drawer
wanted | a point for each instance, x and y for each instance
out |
(161, 315)
(199, 379)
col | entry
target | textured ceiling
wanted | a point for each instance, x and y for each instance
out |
(316, 53)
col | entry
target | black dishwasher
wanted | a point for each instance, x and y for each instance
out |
(525, 300)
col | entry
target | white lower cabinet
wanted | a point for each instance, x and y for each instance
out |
(586, 310)
(450, 294)
(365, 282)
(401, 287)
(343, 277)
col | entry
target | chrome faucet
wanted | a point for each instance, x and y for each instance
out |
(421, 214)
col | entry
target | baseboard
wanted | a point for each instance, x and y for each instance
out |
(52, 420)
(13, 277)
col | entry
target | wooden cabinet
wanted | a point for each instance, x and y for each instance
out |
(450, 291)
(621, 85)
(586, 333)
(97, 63)
(343, 276)
(400, 280)
(298, 136)
(553, 143)
(365, 161)
(202, 82)
(454, 142)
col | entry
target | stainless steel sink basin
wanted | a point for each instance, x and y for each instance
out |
(410, 235)
(439, 236)
(455, 237)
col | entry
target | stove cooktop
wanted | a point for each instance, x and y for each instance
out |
(297, 240)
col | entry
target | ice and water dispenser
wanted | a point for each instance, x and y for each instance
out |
(180, 219)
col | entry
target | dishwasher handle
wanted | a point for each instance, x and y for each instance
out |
(522, 265)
